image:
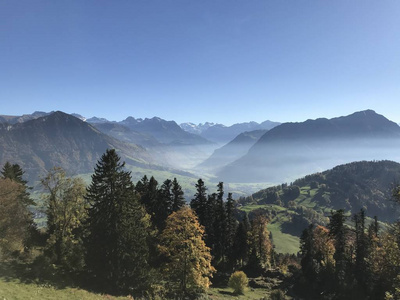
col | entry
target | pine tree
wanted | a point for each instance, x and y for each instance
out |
(163, 204)
(177, 194)
(219, 225)
(189, 260)
(142, 185)
(240, 251)
(231, 224)
(209, 217)
(117, 250)
(338, 232)
(149, 195)
(362, 249)
(199, 202)
(307, 250)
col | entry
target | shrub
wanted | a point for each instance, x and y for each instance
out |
(238, 282)
(278, 295)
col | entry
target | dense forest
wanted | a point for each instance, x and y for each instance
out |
(142, 239)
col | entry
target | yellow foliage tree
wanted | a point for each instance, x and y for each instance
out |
(261, 241)
(188, 263)
(324, 247)
(14, 217)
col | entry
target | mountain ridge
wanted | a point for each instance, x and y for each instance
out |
(314, 145)
(60, 139)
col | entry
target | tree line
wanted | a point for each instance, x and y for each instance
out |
(140, 239)
(143, 239)
(349, 259)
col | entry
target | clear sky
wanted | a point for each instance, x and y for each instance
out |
(223, 61)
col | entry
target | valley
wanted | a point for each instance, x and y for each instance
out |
(294, 175)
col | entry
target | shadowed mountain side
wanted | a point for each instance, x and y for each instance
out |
(291, 150)
(61, 140)
(232, 151)
(126, 134)
(178, 154)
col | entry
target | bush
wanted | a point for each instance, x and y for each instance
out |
(238, 282)
(278, 295)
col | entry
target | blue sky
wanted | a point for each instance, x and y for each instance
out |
(223, 61)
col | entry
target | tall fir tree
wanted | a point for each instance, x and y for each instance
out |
(362, 248)
(148, 195)
(118, 228)
(163, 204)
(307, 251)
(178, 199)
(219, 226)
(142, 185)
(231, 224)
(240, 251)
(338, 232)
(199, 202)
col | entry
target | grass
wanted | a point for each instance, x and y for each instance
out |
(251, 207)
(13, 288)
(16, 290)
(226, 293)
(284, 242)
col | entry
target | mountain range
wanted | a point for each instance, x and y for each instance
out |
(221, 134)
(59, 139)
(282, 153)
(292, 150)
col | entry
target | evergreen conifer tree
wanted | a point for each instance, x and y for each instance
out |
(199, 202)
(231, 225)
(219, 225)
(338, 232)
(241, 243)
(178, 200)
(118, 228)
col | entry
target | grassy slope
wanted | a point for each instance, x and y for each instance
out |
(12, 288)
(285, 242)
(16, 290)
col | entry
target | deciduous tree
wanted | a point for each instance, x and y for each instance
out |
(189, 260)
(66, 212)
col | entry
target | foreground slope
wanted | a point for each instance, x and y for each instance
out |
(61, 140)
(292, 150)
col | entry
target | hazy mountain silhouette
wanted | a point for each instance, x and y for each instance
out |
(291, 150)
(222, 134)
(232, 151)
